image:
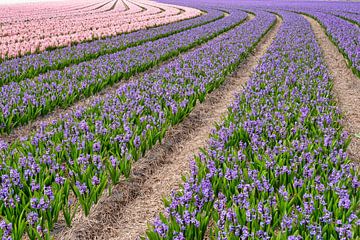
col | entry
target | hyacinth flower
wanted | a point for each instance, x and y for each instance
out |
(112, 167)
(276, 167)
(30, 98)
(29, 66)
(90, 180)
(73, 154)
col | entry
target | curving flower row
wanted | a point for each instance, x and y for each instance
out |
(10, 13)
(352, 17)
(30, 98)
(29, 66)
(25, 35)
(276, 168)
(69, 162)
(344, 34)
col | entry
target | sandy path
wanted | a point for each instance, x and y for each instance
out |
(346, 87)
(132, 205)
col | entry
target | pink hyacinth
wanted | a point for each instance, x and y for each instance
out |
(37, 27)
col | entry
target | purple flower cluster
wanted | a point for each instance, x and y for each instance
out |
(31, 65)
(276, 168)
(25, 100)
(80, 153)
(5, 230)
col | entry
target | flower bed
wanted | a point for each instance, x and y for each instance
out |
(276, 168)
(80, 154)
(26, 100)
(32, 65)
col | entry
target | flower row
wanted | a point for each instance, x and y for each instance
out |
(82, 153)
(19, 12)
(32, 65)
(30, 98)
(276, 168)
(344, 34)
(352, 17)
(29, 36)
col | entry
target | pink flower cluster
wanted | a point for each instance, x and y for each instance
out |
(35, 27)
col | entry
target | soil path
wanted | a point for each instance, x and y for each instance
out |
(346, 87)
(133, 204)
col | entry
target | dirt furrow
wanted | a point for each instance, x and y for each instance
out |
(346, 87)
(134, 203)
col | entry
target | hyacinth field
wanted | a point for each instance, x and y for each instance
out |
(92, 91)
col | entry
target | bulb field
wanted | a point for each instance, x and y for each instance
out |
(140, 119)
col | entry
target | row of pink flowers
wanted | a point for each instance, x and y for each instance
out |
(83, 17)
(10, 14)
(56, 23)
(53, 25)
